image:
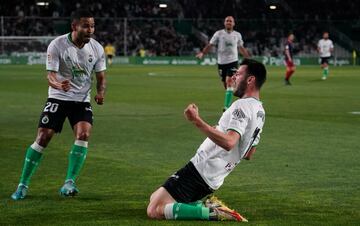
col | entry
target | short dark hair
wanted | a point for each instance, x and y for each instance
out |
(256, 69)
(81, 13)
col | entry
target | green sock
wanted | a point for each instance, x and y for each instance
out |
(196, 203)
(326, 72)
(182, 211)
(76, 161)
(228, 97)
(32, 160)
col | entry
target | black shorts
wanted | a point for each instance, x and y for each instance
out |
(227, 70)
(110, 56)
(186, 185)
(325, 60)
(55, 112)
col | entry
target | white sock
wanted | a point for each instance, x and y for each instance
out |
(230, 88)
(37, 147)
(168, 211)
(81, 143)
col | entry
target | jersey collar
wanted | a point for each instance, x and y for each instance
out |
(72, 42)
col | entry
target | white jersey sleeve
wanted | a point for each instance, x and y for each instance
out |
(215, 39)
(240, 40)
(239, 120)
(100, 64)
(53, 58)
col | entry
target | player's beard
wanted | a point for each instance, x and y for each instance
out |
(86, 39)
(241, 88)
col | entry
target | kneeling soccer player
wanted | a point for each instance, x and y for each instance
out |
(233, 139)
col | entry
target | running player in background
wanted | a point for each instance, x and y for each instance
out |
(289, 61)
(110, 52)
(233, 139)
(228, 43)
(71, 59)
(325, 48)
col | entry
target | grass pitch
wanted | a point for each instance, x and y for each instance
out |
(306, 170)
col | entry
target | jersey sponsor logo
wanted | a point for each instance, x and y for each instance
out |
(45, 119)
(77, 71)
(238, 114)
(228, 44)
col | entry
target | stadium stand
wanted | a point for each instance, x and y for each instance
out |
(183, 27)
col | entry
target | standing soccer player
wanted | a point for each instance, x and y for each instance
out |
(110, 52)
(234, 138)
(325, 48)
(228, 42)
(289, 60)
(71, 59)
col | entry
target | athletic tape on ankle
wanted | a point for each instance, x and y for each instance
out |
(35, 146)
(81, 143)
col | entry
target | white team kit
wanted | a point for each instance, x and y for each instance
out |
(325, 46)
(227, 45)
(245, 116)
(74, 64)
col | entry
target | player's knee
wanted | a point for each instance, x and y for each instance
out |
(83, 135)
(43, 138)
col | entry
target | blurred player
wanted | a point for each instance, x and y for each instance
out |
(325, 48)
(228, 43)
(110, 52)
(233, 139)
(71, 59)
(289, 61)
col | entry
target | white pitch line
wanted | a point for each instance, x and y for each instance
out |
(355, 112)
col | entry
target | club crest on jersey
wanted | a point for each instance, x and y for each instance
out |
(45, 119)
(90, 58)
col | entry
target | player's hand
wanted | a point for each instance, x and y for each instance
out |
(191, 112)
(200, 55)
(99, 99)
(65, 85)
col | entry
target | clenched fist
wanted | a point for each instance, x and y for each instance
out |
(191, 112)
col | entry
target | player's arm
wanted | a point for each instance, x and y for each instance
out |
(244, 52)
(332, 48)
(287, 52)
(205, 50)
(225, 140)
(55, 83)
(100, 87)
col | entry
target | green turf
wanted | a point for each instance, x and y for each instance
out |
(306, 170)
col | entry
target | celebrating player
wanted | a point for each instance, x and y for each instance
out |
(289, 60)
(325, 48)
(232, 140)
(228, 42)
(71, 59)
